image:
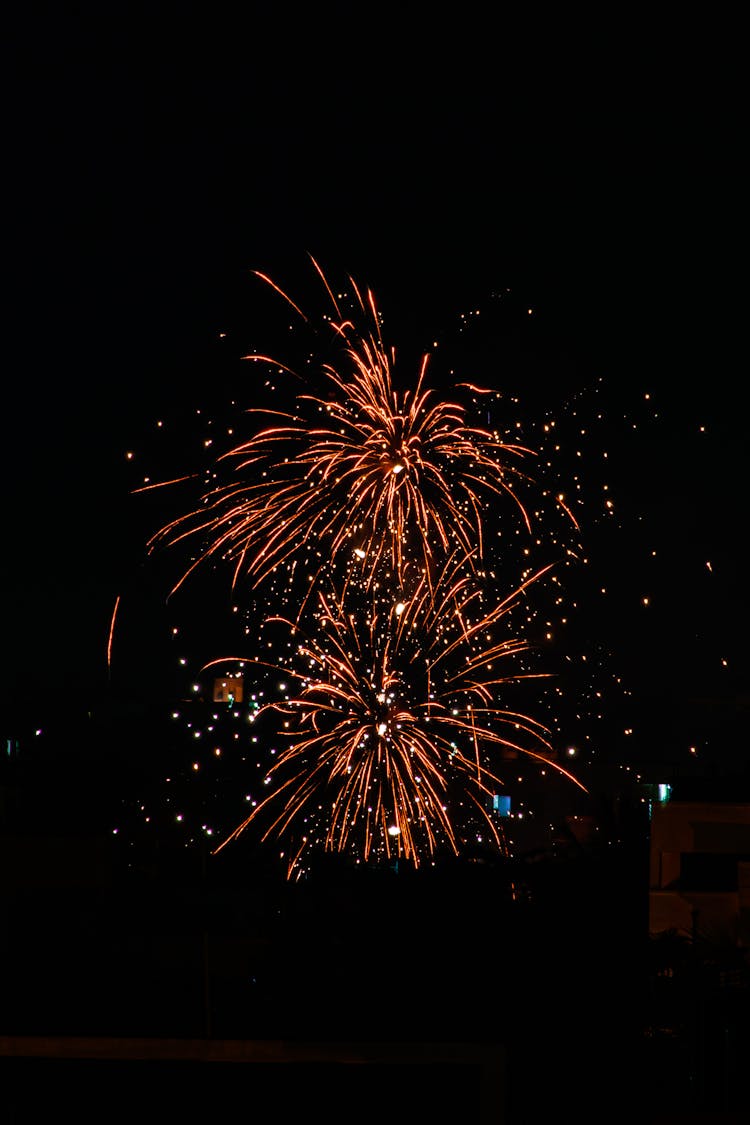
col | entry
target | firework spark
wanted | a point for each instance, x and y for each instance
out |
(396, 722)
(359, 472)
(362, 521)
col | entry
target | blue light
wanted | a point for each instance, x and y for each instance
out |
(501, 805)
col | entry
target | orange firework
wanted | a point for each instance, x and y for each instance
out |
(396, 721)
(357, 474)
(368, 517)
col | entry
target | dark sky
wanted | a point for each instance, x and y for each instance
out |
(155, 158)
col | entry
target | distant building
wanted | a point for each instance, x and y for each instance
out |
(228, 689)
(699, 883)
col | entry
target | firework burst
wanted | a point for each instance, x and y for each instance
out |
(358, 472)
(363, 527)
(397, 722)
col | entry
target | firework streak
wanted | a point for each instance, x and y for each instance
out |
(371, 507)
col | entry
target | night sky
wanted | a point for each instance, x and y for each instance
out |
(155, 160)
(556, 207)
